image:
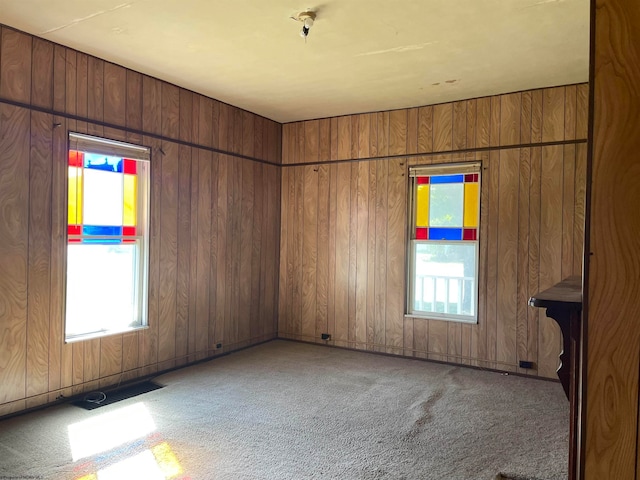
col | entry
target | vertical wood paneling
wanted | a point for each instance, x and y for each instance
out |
(553, 114)
(397, 200)
(15, 69)
(14, 243)
(115, 94)
(613, 358)
(442, 127)
(309, 251)
(42, 74)
(550, 252)
(183, 252)
(362, 249)
(507, 262)
(366, 272)
(39, 266)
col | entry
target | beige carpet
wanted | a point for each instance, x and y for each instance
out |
(285, 410)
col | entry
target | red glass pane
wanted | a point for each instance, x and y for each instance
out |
(421, 234)
(470, 234)
(74, 229)
(423, 180)
(75, 158)
(75, 240)
(129, 231)
(130, 166)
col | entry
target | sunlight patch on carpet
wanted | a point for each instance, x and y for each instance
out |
(103, 432)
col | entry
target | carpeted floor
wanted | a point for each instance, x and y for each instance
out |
(285, 410)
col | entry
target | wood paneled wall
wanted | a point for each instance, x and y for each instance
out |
(344, 224)
(612, 303)
(215, 221)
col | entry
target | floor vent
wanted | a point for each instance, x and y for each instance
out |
(99, 399)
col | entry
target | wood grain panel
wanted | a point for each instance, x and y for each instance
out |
(570, 112)
(492, 236)
(311, 139)
(507, 261)
(15, 66)
(550, 253)
(217, 244)
(525, 118)
(381, 217)
(183, 253)
(412, 130)
(95, 93)
(39, 260)
(331, 280)
(398, 132)
(115, 94)
(459, 125)
(323, 266)
(568, 208)
(483, 122)
(170, 111)
(59, 74)
(353, 246)
(442, 127)
(371, 253)
(396, 237)
(14, 196)
(425, 129)
(582, 110)
(309, 251)
(244, 279)
(510, 113)
(524, 207)
(553, 114)
(58, 245)
(343, 210)
(110, 361)
(134, 100)
(168, 252)
(613, 261)
(42, 73)
(362, 250)
(533, 251)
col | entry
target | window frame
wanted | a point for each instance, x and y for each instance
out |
(142, 155)
(467, 167)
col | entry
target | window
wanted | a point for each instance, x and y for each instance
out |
(107, 237)
(443, 273)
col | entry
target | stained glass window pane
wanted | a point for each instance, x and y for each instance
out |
(103, 201)
(470, 204)
(422, 206)
(446, 203)
(445, 234)
(447, 179)
(103, 162)
(130, 199)
(74, 216)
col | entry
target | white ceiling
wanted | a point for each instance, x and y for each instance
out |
(360, 55)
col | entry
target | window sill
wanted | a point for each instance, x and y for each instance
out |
(417, 316)
(91, 336)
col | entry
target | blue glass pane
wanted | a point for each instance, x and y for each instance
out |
(445, 234)
(100, 230)
(102, 241)
(103, 162)
(447, 179)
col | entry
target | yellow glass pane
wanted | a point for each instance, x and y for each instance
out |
(471, 204)
(422, 206)
(75, 196)
(130, 200)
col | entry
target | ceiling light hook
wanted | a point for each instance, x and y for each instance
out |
(307, 18)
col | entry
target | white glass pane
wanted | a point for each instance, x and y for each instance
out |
(103, 197)
(446, 205)
(101, 293)
(445, 278)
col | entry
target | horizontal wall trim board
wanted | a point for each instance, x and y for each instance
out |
(134, 131)
(464, 151)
